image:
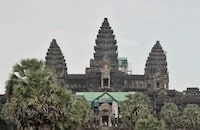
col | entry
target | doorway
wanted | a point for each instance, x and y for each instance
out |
(105, 120)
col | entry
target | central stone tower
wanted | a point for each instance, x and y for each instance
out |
(105, 49)
(104, 67)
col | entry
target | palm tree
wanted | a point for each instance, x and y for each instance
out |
(191, 117)
(36, 101)
(170, 114)
(20, 73)
(83, 110)
(75, 114)
(149, 123)
(28, 92)
(135, 107)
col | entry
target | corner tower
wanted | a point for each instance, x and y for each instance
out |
(56, 61)
(156, 70)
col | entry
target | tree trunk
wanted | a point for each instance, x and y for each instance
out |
(45, 127)
(26, 128)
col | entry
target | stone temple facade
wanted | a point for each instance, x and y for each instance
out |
(104, 79)
(103, 73)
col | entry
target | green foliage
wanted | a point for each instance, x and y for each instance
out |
(191, 117)
(150, 123)
(188, 119)
(34, 99)
(135, 107)
(21, 72)
(170, 114)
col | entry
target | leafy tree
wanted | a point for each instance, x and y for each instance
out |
(149, 123)
(35, 100)
(77, 114)
(84, 110)
(170, 114)
(135, 107)
(191, 117)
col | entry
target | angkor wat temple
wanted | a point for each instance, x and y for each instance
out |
(109, 73)
(104, 72)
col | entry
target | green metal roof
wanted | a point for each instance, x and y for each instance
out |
(122, 62)
(91, 96)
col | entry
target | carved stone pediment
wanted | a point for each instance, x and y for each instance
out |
(105, 71)
(105, 107)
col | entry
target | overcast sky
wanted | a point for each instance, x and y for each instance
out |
(28, 26)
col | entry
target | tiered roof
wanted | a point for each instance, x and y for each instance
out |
(106, 48)
(156, 62)
(55, 60)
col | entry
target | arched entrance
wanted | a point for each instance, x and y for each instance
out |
(105, 115)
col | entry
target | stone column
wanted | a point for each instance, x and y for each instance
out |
(100, 120)
(109, 121)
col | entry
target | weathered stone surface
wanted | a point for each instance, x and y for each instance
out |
(105, 49)
(156, 71)
(56, 61)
